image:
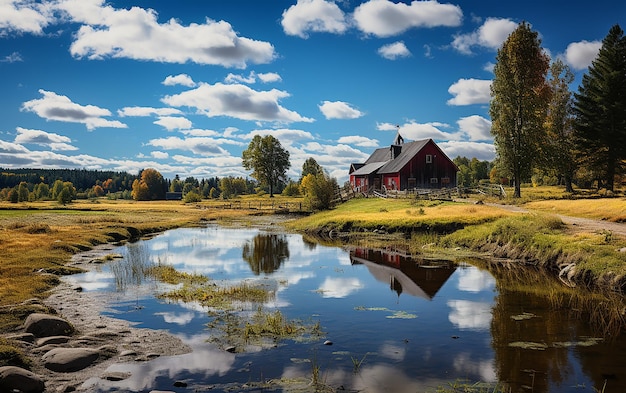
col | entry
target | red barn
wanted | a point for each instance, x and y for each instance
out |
(405, 166)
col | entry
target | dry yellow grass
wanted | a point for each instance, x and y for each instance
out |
(609, 209)
(40, 237)
(401, 213)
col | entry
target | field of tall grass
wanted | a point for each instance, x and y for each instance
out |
(400, 214)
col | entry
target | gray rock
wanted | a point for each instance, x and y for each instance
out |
(116, 376)
(44, 348)
(24, 337)
(16, 378)
(45, 325)
(52, 340)
(67, 360)
(108, 351)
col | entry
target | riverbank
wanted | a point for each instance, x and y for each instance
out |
(581, 251)
(40, 241)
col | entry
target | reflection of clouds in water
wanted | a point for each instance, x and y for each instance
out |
(475, 280)
(206, 360)
(202, 251)
(177, 318)
(343, 258)
(483, 368)
(466, 314)
(293, 278)
(377, 378)
(92, 280)
(194, 306)
(339, 287)
(393, 351)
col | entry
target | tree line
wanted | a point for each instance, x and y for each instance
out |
(540, 126)
(265, 156)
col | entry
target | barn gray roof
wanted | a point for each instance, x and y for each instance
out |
(379, 155)
(409, 150)
(368, 168)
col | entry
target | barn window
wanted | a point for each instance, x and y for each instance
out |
(429, 159)
(445, 180)
(433, 180)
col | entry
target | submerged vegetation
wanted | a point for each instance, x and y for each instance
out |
(209, 294)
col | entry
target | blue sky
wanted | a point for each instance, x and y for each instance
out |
(183, 86)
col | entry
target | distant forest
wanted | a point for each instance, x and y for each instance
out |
(82, 179)
(65, 185)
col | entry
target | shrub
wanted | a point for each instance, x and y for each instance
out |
(192, 197)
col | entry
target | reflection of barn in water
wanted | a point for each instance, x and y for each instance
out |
(417, 277)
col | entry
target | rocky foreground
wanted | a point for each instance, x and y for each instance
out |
(78, 344)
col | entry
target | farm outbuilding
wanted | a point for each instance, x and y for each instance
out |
(405, 166)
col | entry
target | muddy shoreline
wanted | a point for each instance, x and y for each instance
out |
(122, 341)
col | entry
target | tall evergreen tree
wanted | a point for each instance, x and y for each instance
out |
(558, 150)
(518, 105)
(268, 160)
(600, 110)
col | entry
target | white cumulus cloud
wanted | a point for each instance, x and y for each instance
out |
(136, 33)
(476, 127)
(57, 107)
(201, 146)
(490, 34)
(470, 91)
(385, 18)
(144, 111)
(339, 110)
(171, 123)
(358, 140)
(394, 50)
(238, 101)
(417, 131)
(42, 138)
(160, 155)
(579, 55)
(269, 77)
(313, 16)
(21, 16)
(481, 150)
(180, 79)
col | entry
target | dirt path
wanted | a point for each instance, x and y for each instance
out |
(576, 224)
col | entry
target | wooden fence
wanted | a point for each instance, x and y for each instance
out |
(276, 207)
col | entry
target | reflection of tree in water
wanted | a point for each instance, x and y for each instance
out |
(309, 244)
(266, 252)
(541, 319)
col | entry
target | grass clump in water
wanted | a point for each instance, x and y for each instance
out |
(462, 386)
(272, 324)
(209, 294)
(262, 329)
(168, 274)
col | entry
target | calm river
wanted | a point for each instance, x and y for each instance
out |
(396, 324)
